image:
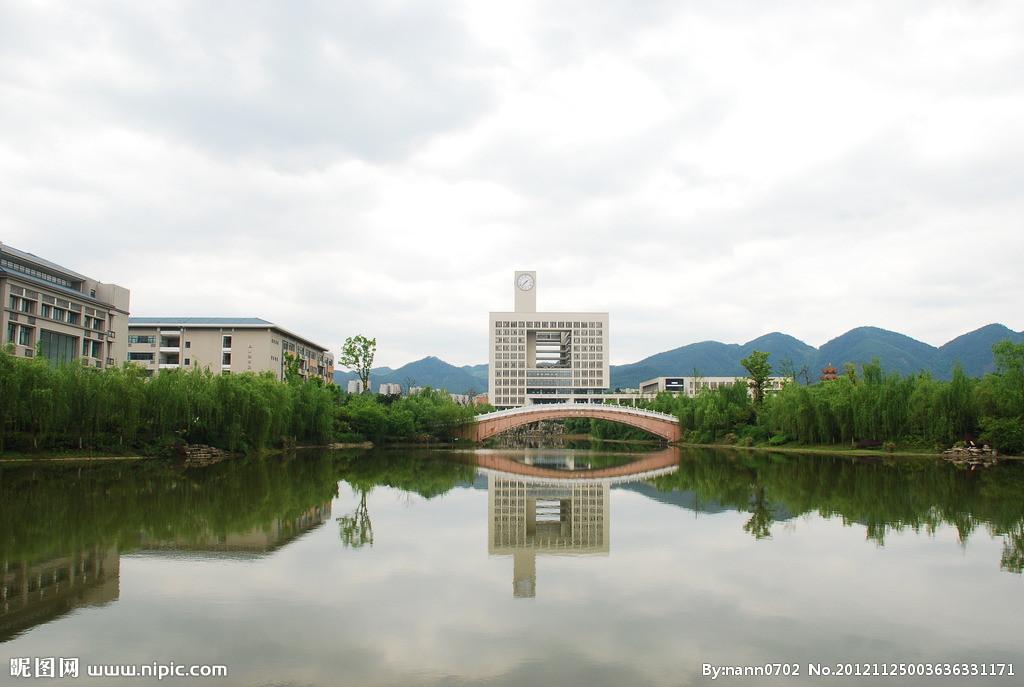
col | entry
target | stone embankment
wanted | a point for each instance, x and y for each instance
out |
(971, 456)
(199, 455)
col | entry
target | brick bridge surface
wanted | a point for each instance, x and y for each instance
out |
(488, 425)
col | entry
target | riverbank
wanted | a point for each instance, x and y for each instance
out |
(834, 450)
(93, 457)
(66, 458)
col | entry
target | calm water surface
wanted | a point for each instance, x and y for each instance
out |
(513, 567)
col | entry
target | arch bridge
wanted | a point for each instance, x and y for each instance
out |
(485, 426)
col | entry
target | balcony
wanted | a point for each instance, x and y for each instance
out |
(169, 366)
(169, 359)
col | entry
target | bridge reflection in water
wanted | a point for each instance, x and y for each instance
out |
(555, 504)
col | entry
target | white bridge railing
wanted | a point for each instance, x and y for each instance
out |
(578, 407)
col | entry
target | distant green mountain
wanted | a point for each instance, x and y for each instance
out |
(895, 351)
(713, 359)
(429, 371)
(479, 372)
(973, 350)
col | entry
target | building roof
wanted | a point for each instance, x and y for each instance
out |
(42, 283)
(41, 262)
(235, 322)
(202, 321)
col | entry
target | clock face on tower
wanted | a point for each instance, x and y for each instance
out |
(524, 282)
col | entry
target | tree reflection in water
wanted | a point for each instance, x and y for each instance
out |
(355, 529)
(884, 494)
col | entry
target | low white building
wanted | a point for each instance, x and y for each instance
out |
(691, 386)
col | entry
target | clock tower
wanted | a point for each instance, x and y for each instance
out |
(526, 291)
(545, 357)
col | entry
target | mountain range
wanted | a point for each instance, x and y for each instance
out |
(429, 371)
(896, 352)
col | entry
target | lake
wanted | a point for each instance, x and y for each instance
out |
(590, 566)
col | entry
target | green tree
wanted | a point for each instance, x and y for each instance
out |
(357, 355)
(292, 368)
(1001, 399)
(759, 370)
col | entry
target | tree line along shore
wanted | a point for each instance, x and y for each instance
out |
(46, 408)
(866, 408)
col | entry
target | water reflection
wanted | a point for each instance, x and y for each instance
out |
(64, 529)
(527, 518)
(882, 495)
(639, 566)
(555, 503)
(256, 541)
(37, 592)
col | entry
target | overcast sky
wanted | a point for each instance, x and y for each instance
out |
(700, 170)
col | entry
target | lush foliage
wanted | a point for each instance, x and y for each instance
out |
(868, 409)
(757, 366)
(71, 407)
(1001, 399)
(865, 408)
(427, 415)
(357, 355)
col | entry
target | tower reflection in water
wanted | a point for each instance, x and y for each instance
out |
(554, 503)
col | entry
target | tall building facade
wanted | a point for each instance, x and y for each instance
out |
(70, 316)
(223, 344)
(545, 357)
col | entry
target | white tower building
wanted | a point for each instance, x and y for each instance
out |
(545, 357)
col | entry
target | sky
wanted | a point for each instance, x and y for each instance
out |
(699, 170)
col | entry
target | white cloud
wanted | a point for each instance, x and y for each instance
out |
(700, 171)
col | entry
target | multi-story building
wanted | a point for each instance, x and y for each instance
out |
(545, 357)
(223, 344)
(691, 386)
(390, 389)
(70, 316)
(355, 386)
